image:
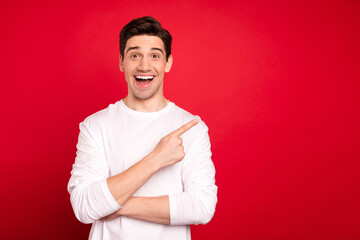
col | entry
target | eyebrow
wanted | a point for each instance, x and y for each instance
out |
(137, 47)
(132, 48)
(158, 49)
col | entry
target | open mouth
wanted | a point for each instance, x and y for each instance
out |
(143, 81)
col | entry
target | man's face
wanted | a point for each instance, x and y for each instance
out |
(144, 65)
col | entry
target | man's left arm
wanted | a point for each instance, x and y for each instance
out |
(150, 209)
(196, 205)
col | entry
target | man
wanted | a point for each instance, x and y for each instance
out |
(143, 168)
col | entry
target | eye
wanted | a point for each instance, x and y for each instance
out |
(134, 55)
(155, 56)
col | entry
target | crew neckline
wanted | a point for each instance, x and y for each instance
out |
(147, 114)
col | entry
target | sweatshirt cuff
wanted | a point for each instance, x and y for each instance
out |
(180, 209)
(108, 201)
(174, 209)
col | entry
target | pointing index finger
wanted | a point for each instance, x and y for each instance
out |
(186, 127)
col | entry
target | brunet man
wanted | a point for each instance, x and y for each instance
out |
(143, 168)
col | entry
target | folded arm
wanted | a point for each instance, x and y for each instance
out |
(92, 199)
(150, 209)
(196, 205)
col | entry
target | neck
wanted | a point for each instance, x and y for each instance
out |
(147, 105)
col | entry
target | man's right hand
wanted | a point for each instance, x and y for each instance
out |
(170, 149)
(167, 152)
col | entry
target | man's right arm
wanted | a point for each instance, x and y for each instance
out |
(166, 153)
(195, 205)
(90, 168)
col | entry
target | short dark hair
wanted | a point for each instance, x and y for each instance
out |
(145, 26)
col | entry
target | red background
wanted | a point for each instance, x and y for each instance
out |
(276, 82)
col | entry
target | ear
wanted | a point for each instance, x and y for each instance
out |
(121, 63)
(169, 63)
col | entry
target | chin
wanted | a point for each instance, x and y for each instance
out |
(143, 96)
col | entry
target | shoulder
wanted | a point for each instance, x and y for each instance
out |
(185, 117)
(103, 117)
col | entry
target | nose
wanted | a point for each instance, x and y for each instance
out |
(144, 65)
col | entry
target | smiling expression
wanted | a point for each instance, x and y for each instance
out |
(144, 65)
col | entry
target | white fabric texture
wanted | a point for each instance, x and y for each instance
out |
(112, 140)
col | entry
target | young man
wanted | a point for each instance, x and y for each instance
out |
(143, 168)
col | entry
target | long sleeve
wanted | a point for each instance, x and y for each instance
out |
(196, 204)
(91, 198)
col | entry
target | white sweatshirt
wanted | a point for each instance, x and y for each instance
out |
(112, 140)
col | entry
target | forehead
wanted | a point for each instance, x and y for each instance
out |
(145, 42)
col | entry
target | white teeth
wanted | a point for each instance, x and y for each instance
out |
(144, 77)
